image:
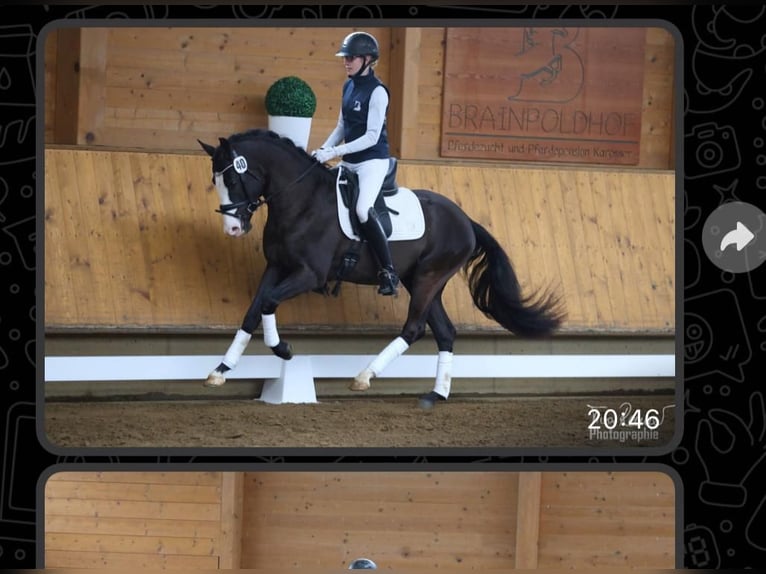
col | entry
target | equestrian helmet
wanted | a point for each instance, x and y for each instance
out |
(363, 564)
(359, 44)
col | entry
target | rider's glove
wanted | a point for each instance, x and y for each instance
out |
(324, 154)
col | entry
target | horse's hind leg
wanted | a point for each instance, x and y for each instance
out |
(393, 350)
(421, 294)
(444, 333)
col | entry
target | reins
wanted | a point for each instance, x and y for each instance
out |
(296, 181)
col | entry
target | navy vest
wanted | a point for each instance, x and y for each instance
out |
(355, 105)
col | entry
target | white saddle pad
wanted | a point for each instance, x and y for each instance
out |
(406, 224)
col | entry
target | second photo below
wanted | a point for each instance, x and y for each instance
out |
(329, 521)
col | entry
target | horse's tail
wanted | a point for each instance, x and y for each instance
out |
(496, 292)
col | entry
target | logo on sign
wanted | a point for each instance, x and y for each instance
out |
(549, 67)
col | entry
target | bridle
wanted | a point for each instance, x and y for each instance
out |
(246, 207)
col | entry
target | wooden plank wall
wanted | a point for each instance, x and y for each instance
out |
(460, 520)
(607, 520)
(151, 88)
(132, 241)
(401, 520)
(144, 520)
(282, 520)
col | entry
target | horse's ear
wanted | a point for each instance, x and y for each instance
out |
(224, 143)
(207, 147)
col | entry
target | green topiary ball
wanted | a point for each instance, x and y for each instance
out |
(291, 96)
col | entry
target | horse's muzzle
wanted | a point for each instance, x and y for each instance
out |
(239, 231)
(242, 226)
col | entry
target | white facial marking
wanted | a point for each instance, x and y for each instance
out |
(231, 224)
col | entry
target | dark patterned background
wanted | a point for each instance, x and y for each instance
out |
(721, 455)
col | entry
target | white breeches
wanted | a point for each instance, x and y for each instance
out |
(371, 174)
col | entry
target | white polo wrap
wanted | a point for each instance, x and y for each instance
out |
(391, 352)
(270, 334)
(236, 349)
(443, 374)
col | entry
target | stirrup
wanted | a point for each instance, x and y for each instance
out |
(388, 282)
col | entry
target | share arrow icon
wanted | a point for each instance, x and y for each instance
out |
(741, 237)
(728, 225)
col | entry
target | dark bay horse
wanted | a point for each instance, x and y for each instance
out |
(304, 246)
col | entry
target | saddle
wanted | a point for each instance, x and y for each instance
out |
(348, 189)
(348, 186)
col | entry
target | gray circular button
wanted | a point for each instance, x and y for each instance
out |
(734, 237)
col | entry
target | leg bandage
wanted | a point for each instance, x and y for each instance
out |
(391, 352)
(270, 334)
(443, 374)
(237, 347)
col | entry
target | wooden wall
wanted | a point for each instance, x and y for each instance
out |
(400, 520)
(162, 88)
(144, 520)
(132, 241)
(282, 520)
(606, 520)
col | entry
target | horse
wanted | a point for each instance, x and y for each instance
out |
(304, 248)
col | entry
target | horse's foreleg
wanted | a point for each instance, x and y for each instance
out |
(297, 282)
(235, 351)
(230, 359)
(241, 339)
(271, 338)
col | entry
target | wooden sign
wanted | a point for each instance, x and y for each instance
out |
(550, 94)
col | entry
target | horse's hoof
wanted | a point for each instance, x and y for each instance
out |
(214, 379)
(362, 381)
(427, 402)
(283, 350)
(359, 386)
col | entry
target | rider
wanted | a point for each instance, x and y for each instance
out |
(362, 126)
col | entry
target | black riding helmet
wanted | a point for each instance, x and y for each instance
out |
(360, 44)
(363, 564)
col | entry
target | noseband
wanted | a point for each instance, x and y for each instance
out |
(246, 207)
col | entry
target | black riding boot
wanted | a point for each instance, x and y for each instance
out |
(377, 239)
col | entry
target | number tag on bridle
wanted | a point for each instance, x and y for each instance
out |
(240, 164)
